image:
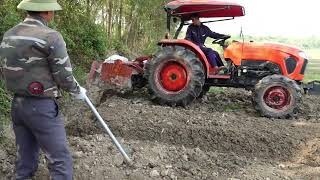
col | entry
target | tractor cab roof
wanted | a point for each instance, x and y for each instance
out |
(204, 8)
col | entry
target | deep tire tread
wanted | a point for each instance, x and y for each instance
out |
(194, 88)
(259, 105)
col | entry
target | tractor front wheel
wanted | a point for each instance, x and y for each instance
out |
(276, 96)
(175, 76)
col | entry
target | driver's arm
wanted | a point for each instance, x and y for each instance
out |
(212, 34)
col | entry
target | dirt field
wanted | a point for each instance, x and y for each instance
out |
(218, 137)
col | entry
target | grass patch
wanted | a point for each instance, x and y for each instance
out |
(313, 69)
(231, 107)
(5, 102)
(311, 77)
(216, 90)
(5, 106)
(80, 74)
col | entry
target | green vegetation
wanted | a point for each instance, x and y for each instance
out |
(313, 70)
(303, 43)
(231, 107)
(216, 90)
(5, 105)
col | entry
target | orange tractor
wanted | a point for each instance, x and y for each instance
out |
(180, 72)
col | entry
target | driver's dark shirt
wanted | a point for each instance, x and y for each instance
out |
(199, 34)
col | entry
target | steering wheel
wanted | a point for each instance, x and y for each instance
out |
(221, 40)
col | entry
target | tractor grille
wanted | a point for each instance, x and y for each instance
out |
(291, 64)
(303, 70)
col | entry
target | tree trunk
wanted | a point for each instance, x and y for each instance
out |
(88, 7)
(110, 18)
(120, 20)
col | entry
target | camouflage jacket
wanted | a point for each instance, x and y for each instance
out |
(35, 61)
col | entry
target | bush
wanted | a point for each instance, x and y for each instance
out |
(5, 106)
(9, 16)
(86, 40)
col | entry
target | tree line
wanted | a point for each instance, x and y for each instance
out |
(311, 42)
(92, 28)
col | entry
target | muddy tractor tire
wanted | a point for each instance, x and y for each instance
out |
(276, 96)
(175, 76)
(205, 90)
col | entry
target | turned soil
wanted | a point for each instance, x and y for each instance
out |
(219, 136)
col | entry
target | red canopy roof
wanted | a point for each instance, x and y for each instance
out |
(205, 8)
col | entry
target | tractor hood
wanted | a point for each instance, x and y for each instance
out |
(276, 47)
(290, 60)
(205, 8)
(261, 51)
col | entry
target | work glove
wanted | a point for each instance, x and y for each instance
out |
(81, 95)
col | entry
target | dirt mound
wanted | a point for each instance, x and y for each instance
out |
(309, 110)
(310, 154)
(152, 160)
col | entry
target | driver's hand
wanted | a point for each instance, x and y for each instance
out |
(226, 36)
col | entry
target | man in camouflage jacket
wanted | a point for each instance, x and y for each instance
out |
(35, 67)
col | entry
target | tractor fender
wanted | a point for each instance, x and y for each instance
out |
(190, 45)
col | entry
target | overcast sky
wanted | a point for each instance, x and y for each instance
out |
(288, 18)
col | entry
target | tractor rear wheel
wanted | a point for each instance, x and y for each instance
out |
(175, 76)
(205, 90)
(276, 96)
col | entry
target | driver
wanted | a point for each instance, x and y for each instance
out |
(198, 33)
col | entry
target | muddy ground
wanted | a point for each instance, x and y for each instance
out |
(218, 137)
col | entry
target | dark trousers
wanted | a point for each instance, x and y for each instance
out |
(38, 124)
(213, 56)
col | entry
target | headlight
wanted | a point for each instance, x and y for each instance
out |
(303, 55)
